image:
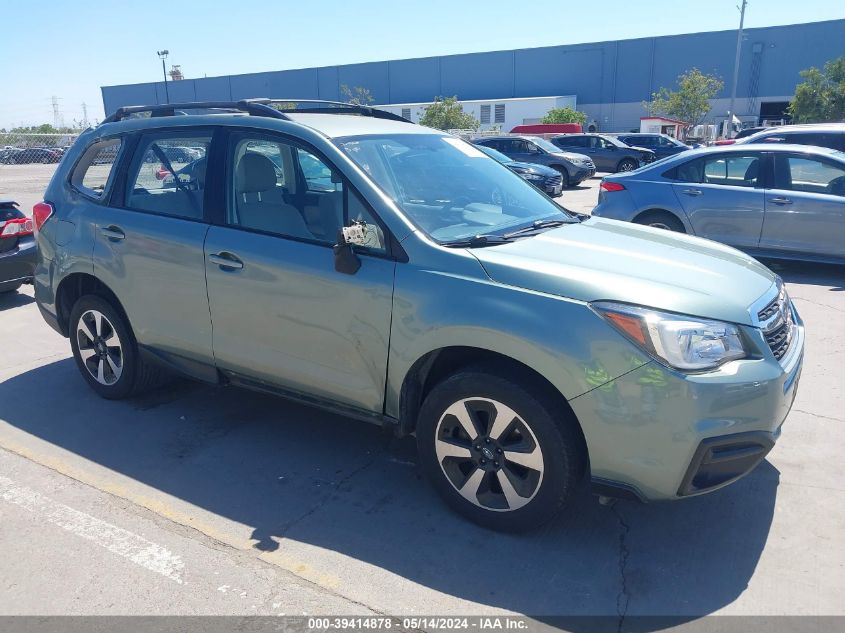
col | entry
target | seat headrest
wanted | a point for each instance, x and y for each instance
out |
(753, 170)
(256, 172)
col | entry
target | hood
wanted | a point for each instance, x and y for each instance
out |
(572, 156)
(601, 259)
(534, 168)
(642, 149)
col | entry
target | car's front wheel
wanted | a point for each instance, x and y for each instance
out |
(498, 451)
(105, 350)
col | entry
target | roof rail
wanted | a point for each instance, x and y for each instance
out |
(274, 108)
(255, 107)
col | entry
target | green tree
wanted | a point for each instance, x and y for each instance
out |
(690, 103)
(820, 98)
(565, 115)
(356, 94)
(447, 114)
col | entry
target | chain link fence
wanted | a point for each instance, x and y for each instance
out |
(27, 163)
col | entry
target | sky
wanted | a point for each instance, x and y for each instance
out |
(69, 49)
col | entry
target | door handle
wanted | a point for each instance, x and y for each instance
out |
(225, 259)
(692, 192)
(781, 201)
(113, 232)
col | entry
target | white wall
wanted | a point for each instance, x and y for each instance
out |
(517, 111)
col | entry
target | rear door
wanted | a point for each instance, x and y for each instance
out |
(283, 316)
(722, 195)
(149, 242)
(805, 208)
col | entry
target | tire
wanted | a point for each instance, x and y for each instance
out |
(9, 289)
(111, 364)
(661, 220)
(550, 450)
(627, 164)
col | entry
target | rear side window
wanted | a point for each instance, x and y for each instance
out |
(93, 173)
(810, 175)
(167, 175)
(737, 170)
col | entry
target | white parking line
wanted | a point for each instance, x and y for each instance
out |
(117, 540)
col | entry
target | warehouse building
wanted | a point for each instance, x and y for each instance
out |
(607, 80)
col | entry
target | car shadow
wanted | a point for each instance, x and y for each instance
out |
(9, 300)
(831, 275)
(293, 473)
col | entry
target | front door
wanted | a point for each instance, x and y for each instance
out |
(805, 209)
(722, 196)
(149, 244)
(283, 316)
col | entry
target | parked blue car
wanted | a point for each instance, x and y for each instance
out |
(772, 200)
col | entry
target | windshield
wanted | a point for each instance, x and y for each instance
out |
(494, 154)
(546, 145)
(448, 187)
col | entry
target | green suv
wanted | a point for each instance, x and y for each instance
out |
(342, 256)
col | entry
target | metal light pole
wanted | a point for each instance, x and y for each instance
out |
(163, 55)
(736, 68)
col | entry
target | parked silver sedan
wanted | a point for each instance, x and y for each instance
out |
(772, 200)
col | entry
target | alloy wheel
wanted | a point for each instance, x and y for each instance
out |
(99, 347)
(489, 454)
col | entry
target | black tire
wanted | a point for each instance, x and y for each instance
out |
(564, 176)
(627, 164)
(9, 289)
(562, 461)
(136, 375)
(661, 220)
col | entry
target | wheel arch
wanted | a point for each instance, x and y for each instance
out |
(76, 285)
(681, 217)
(438, 364)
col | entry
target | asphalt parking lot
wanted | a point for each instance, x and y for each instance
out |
(200, 500)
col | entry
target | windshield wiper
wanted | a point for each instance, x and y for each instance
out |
(478, 241)
(540, 225)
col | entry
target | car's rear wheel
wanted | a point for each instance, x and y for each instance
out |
(105, 350)
(497, 451)
(661, 220)
(626, 164)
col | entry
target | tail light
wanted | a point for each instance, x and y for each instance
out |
(16, 228)
(162, 173)
(41, 212)
(611, 186)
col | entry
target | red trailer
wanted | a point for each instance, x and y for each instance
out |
(548, 128)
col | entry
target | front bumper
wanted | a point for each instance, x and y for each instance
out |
(18, 265)
(655, 433)
(580, 174)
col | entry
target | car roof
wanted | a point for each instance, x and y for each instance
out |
(336, 125)
(758, 147)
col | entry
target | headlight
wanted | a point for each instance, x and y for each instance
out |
(530, 176)
(683, 342)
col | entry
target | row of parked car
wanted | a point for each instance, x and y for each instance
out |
(569, 159)
(29, 155)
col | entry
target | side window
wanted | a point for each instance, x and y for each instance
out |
(317, 176)
(573, 141)
(93, 172)
(168, 175)
(798, 173)
(280, 188)
(738, 170)
(691, 171)
(595, 142)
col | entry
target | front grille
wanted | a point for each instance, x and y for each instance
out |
(770, 310)
(554, 181)
(589, 164)
(778, 324)
(780, 338)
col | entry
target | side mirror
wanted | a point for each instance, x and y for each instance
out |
(345, 259)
